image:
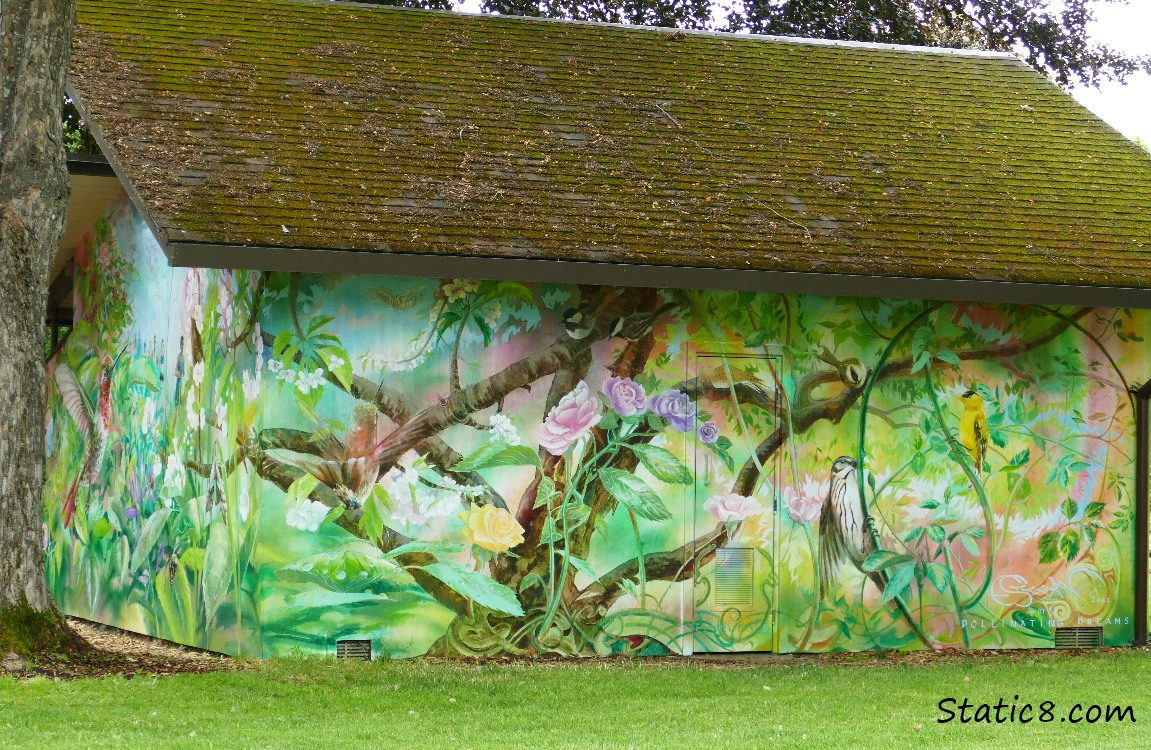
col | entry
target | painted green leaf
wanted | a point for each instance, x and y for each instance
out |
(899, 582)
(969, 544)
(100, 529)
(1089, 536)
(1069, 508)
(1094, 510)
(583, 567)
(511, 290)
(756, 338)
(948, 357)
(217, 568)
(1049, 547)
(491, 455)
(940, 576)
(148, 536)
(143, 372)
(329, 600)
(1069, 544)
(1021, 458)
(634, 493)
(301, 488)
(531, 579)
(884, 559)
(976, 532)
(936, 533)
(549, 535)
(929, 504)
(428, 548)
(1031, 621)
(375, 507)
(477, 587)
(545, 492)
(662, 463)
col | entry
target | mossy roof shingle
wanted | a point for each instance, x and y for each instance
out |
(298, 125)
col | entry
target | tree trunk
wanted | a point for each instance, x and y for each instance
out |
(35, 40)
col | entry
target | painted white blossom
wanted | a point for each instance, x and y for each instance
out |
(221, 413)
(275, 366)
(466, 490)
(415, 502)
(335, 363)
(288, 376)
(306, 382)
(307, 516)
(157, 468)
(198, 374)
(174, 474)
(502, 430)
(148, 415)
(243, 502)
(250, 385)
(195, 415)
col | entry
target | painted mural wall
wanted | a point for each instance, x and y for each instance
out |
(263, 463)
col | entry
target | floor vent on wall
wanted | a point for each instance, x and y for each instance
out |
(733, 577)
(1079, 637)
(354, 650)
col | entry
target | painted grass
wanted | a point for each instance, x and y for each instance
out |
(641, 704)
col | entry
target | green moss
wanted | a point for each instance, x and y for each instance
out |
(30, 633)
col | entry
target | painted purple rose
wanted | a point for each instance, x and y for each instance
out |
(570, 419)
(708, 433)
(627, 396)
(730, 507)
(677, 407)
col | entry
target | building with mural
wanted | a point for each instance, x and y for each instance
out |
(482, 335)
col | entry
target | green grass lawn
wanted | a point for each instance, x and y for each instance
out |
(796, 703)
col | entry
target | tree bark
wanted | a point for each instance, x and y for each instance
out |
(35, 40)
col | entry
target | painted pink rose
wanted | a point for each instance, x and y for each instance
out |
(732, 507)
(627, 396)
(570, 419)
(803, 508)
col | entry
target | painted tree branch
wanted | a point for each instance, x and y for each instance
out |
(697, 552)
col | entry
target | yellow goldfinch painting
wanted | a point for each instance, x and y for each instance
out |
(973, 428)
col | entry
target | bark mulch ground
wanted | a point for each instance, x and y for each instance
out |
(117, 652)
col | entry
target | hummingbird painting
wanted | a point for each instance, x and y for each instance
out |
(94, 421)
(349, 467)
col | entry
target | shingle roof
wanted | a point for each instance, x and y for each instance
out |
(288, 124)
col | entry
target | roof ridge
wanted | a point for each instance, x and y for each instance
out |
(796, 40)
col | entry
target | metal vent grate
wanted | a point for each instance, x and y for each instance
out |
(733, 577)
(1079, 637)
(354, 650)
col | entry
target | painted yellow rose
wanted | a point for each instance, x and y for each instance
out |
(492, 528)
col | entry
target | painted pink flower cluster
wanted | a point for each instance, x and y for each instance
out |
(570, 419)
(805, 506)
(627, 397)
(730, 507)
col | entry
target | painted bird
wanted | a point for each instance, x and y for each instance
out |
(973, 428)
(845, 532)
(716, 379)
(94, 423)
(843, 527)
(578, 323)
(634, 327)
(349, 468)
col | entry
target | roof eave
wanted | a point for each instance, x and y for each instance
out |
(312, 260)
